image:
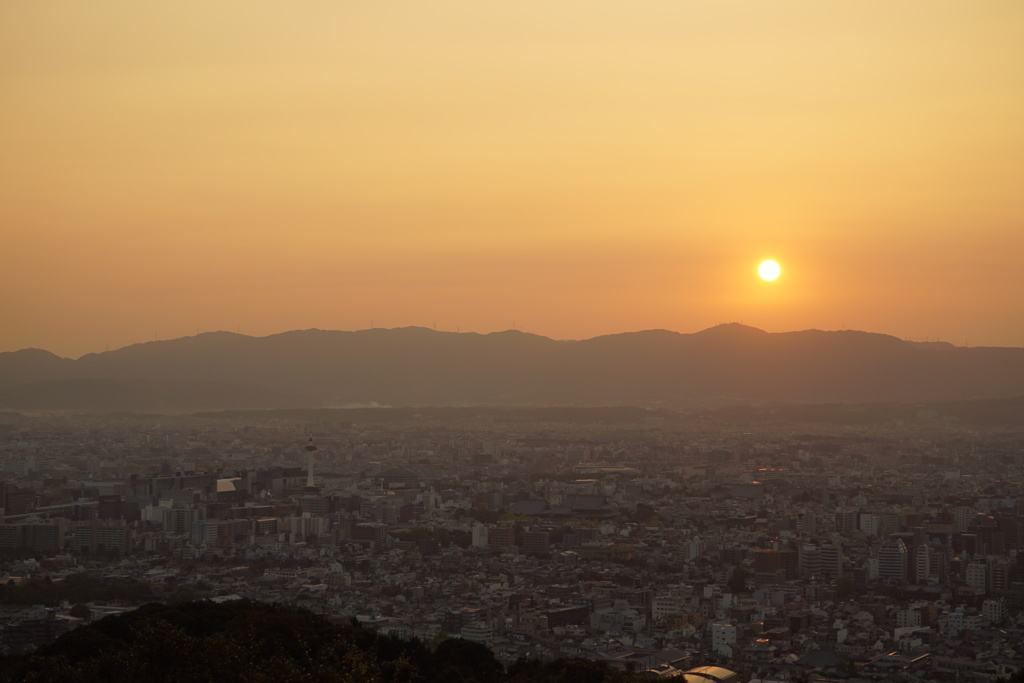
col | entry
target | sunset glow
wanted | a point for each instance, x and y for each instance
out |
(573, 168)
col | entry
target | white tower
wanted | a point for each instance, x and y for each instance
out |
(310, 448)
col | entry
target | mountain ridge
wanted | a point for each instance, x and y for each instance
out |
(421, 366)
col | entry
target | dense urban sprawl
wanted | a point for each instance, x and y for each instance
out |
(810, 552)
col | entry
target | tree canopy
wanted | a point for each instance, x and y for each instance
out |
(253, 641)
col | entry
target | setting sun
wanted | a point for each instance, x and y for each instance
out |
(769, 270)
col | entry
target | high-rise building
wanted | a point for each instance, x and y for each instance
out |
(44, 536)
(846, 521)
(723, 638)
(500, 537)
(479, 536)
(810, 561)
(994, 609)
(998, 574)
(101, 537)
(536, 542)
(870, 524)
(976, 576)
(831, 561)
(922, 563)
(375, 532)
(963, 516)
(307, 525)
(892, 560)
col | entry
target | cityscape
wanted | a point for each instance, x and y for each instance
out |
(652, 541)
(532, 341)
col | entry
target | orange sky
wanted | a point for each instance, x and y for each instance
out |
(576, 167)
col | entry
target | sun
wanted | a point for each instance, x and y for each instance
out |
(769, 270)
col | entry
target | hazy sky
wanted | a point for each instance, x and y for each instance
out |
(573, 167)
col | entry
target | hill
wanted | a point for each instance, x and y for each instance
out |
(419, 367)
(252, 641)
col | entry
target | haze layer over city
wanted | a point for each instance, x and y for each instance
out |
(512, 341)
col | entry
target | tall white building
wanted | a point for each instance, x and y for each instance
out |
(479, 536)
(922, 563)
(723, 638)
(664, 605)
(870, 524)
(693, 549)
(963, 516)
(994, 610)
(308, 525)
(976, 576)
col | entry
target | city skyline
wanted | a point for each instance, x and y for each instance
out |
(570, 169)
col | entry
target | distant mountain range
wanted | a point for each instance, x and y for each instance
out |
(415, 366)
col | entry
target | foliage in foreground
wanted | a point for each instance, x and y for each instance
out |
(254, 641)
(74, 588)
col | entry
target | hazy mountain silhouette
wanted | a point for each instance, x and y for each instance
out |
(417, 366)
(32, 365)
